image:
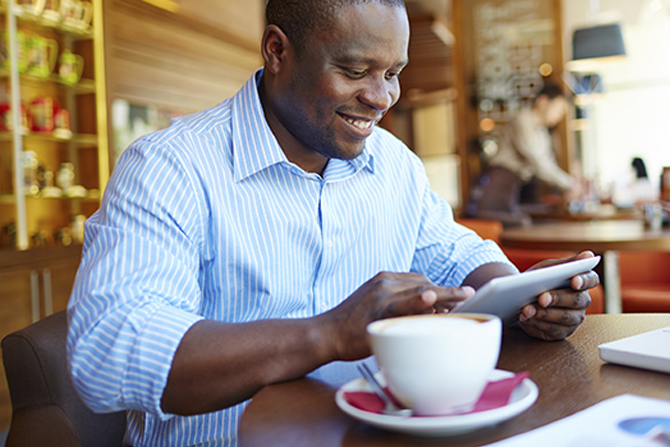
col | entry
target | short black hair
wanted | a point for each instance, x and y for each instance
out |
(552, 91)
(300, 18)
(640, 168)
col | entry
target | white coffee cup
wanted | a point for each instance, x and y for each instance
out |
(437, 364)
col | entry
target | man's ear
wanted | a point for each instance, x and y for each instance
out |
(274, 47)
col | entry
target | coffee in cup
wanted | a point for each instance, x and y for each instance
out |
(437, 364)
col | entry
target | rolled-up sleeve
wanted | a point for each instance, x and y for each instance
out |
(138, 287)
(447, 252)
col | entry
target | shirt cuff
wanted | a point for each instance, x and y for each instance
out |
(151, 357)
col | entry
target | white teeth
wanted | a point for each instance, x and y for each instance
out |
(361, 124)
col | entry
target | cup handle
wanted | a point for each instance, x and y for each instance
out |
(80, 66)
(53, 54)
(88, 12)
(38, 7)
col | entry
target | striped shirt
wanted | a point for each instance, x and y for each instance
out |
(208, 219)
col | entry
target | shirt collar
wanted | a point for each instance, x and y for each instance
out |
(255, 147)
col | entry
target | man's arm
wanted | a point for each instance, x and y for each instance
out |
(220, 364)
(487, 272)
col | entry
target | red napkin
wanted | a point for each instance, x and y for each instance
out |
(495, 395)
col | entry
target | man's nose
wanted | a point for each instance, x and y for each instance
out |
(380, 93)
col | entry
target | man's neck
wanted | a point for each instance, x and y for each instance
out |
(296, 153)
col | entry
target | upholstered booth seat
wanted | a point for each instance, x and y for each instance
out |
(46, 409)
(645, 281)
(637, 298)
(486, 229)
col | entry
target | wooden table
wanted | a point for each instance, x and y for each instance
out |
(605, 238)
(569, 374)
(601, 212)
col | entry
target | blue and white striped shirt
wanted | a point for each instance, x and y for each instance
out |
(208, 219)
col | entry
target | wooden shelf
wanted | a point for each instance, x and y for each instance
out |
(40, 23)
(37, 264)
(84, 86)
(79, 139)
(10, 199)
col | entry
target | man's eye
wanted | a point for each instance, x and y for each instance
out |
(355, 73)
(391, 75)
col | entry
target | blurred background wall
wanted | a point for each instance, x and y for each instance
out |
(631, 118)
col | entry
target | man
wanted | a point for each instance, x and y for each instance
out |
(525, 153)
(225, 246)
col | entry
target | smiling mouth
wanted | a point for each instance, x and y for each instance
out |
(358, 123)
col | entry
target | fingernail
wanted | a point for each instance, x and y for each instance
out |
(429, 296)
(469, 291)
(579, 282)
(544, 300)
(529, 312)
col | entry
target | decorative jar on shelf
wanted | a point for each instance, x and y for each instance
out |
(65, 176)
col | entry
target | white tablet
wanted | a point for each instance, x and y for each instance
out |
(507, 295)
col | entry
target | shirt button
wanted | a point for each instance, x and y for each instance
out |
(329, 243)
(324, 306)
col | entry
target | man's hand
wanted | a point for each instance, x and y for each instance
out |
(385, 295)
(576, 192)
(558, 313)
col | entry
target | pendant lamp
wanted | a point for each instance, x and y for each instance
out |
(593, 46)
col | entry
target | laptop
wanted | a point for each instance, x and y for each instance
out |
(649, 350)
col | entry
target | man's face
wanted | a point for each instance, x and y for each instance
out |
(344, 80)
(552, 110)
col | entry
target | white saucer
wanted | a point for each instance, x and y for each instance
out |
(521, 399)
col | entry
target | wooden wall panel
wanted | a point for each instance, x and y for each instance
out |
(239, 17)
(185, 61)
(430, 57)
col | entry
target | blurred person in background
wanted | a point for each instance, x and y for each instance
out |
(525, 153)
(634, 189)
